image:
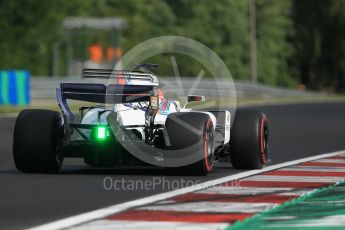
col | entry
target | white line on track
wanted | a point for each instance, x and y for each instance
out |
(330, 161)
(253, 191)
(326, 222)
(148, 225)
(294, 178)
(211, 207)
(314, 169)
(103, 212)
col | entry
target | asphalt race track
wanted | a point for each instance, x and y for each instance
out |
(27, 200)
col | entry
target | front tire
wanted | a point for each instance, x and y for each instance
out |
(35, 141)
(249, 140)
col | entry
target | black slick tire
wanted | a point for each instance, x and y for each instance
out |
(249, 140)
(193, 129)
(35, 141)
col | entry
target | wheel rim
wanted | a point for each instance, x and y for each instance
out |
(208, 146)
(264, 140)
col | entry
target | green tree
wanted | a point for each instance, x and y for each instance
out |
(221, 25)
(320, 43)
(29, 28)
(296, 39)
(275, 50)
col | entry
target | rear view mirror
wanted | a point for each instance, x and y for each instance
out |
(191, 98)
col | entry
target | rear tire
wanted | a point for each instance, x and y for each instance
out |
(35, 141)
(249, 140)
(182, 137)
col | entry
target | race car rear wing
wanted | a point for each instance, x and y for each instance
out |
(128, 87)
(111, 94)
(122, 76)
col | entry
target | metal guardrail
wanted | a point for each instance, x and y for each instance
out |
(44, 88)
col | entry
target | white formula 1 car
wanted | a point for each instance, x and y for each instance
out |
(133, 124)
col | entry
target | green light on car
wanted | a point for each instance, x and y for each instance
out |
(102, 133)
